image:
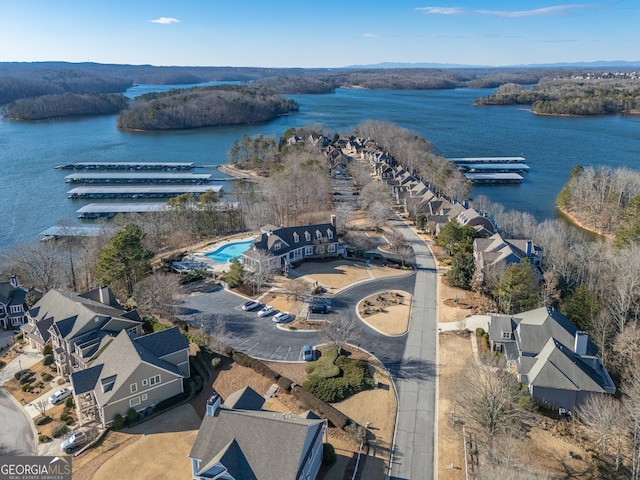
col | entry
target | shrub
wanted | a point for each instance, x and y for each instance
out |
(256, 365)
(42, 420)
(216, 362)
(336, 417)
(27, 378)
(199, 381)
(2, 364)
(354, 378)
(64, 416)
(118, 422)
(132, 415)
(325, 366)
(25, 387)
(328, 454)
(43, 438)
(46, 376)
(479, 331)
(285, 384)
(47, 350)
(39, 385)
(20, 373)
(20, 336)
(68, 402)
(59, 430)
(47, 360)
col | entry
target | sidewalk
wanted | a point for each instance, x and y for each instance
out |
(27, 358)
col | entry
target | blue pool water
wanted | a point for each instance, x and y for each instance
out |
(230, 250)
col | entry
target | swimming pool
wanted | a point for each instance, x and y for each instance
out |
(228, 251)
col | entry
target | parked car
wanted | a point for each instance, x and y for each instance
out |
(74, 442)
(266, 311)
(17, 330)
(319, 308)
(307, 353)
(250, 305)
(59, 396)
(282, 317)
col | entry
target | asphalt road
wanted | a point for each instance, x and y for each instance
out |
(16, 436)
(260, 338)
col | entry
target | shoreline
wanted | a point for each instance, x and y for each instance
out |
(574, 221)
(249, 175)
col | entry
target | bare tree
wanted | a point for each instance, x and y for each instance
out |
(488, 397)
(602, 414)
(298, 289)
(39, 265)
(341, 331)
(42, 405)
(156, 294)
(631, 389)
(378, 213)
(218, 334)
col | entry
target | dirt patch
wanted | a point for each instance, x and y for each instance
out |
(387, 312)
(455, 352)
(283, 302)
(334, 274)
(39, 386)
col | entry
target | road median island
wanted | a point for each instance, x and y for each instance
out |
(387, 312)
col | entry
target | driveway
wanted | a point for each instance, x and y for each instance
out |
(260, 337)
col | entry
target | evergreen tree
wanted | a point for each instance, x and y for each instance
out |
(235, 276)
(125, 258)
(518, 289)
(461, 272)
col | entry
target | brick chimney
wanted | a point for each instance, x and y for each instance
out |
(333, 220)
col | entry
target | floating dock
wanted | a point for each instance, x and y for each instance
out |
(492, 170)
(110, 192)
(74, 231)
(164, 166)
(493, 178)
(109, 210)
(123, 178)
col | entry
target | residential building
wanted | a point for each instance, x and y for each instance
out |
(280, 247)
(13, 305)
(556, 361)
(238, 440)
(131, 372)
(78, 325)
(496, 252)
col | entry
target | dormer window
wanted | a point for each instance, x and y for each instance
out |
(296, 237)
(330, 234)
(307, 236)
(277, 246)
(318, 235)
(506, 335)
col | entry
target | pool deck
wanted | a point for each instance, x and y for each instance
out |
(214, 266)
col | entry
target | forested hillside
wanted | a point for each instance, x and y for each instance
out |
(65, 105)
(204, 107)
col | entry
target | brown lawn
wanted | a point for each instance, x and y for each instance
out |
(387, 312)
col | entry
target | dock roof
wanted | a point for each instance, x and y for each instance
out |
(170, 189)
(137, 176)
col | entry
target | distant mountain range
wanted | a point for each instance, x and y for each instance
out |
(597, 64)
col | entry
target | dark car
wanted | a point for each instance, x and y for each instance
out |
(319, 308)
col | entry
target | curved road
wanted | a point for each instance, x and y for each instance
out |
(410, 358)
(16, 435)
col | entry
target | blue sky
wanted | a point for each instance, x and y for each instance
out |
(328, 33)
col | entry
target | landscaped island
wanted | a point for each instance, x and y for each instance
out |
(204, 107)
(65, 105)
(575, 95)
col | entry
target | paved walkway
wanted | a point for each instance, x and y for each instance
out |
(415, 376)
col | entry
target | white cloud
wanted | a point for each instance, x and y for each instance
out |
(554, 10)
(165, 20)
(370, 35)
(441, 10)
(536, 12)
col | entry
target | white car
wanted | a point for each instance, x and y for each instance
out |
(281, 317)
(59, 396)
(250, 305)
(266, 311)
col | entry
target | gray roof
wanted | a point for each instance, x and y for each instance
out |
(10, 295)
(557, 366)
(254, 444)
(119, 361)
(74, 315)
(245, 399)
(272, 236)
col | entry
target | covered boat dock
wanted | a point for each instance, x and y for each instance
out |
(163, 166)
(124, 178)
(109, 192)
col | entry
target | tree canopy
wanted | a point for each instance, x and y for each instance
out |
(125, 259)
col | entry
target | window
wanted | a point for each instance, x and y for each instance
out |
(506, 335)
(1, 308)
(318, 234)
(154, 380)
(307, 236)
(133, 330)
(308, 250)
(144, 397)
(277, 246)
(332, 247)
(134, 387)
(134, 401)
(145, 382)
(296, 237)
(330, 233)
(16, 308)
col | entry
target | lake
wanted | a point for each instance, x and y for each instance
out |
(33, 194)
